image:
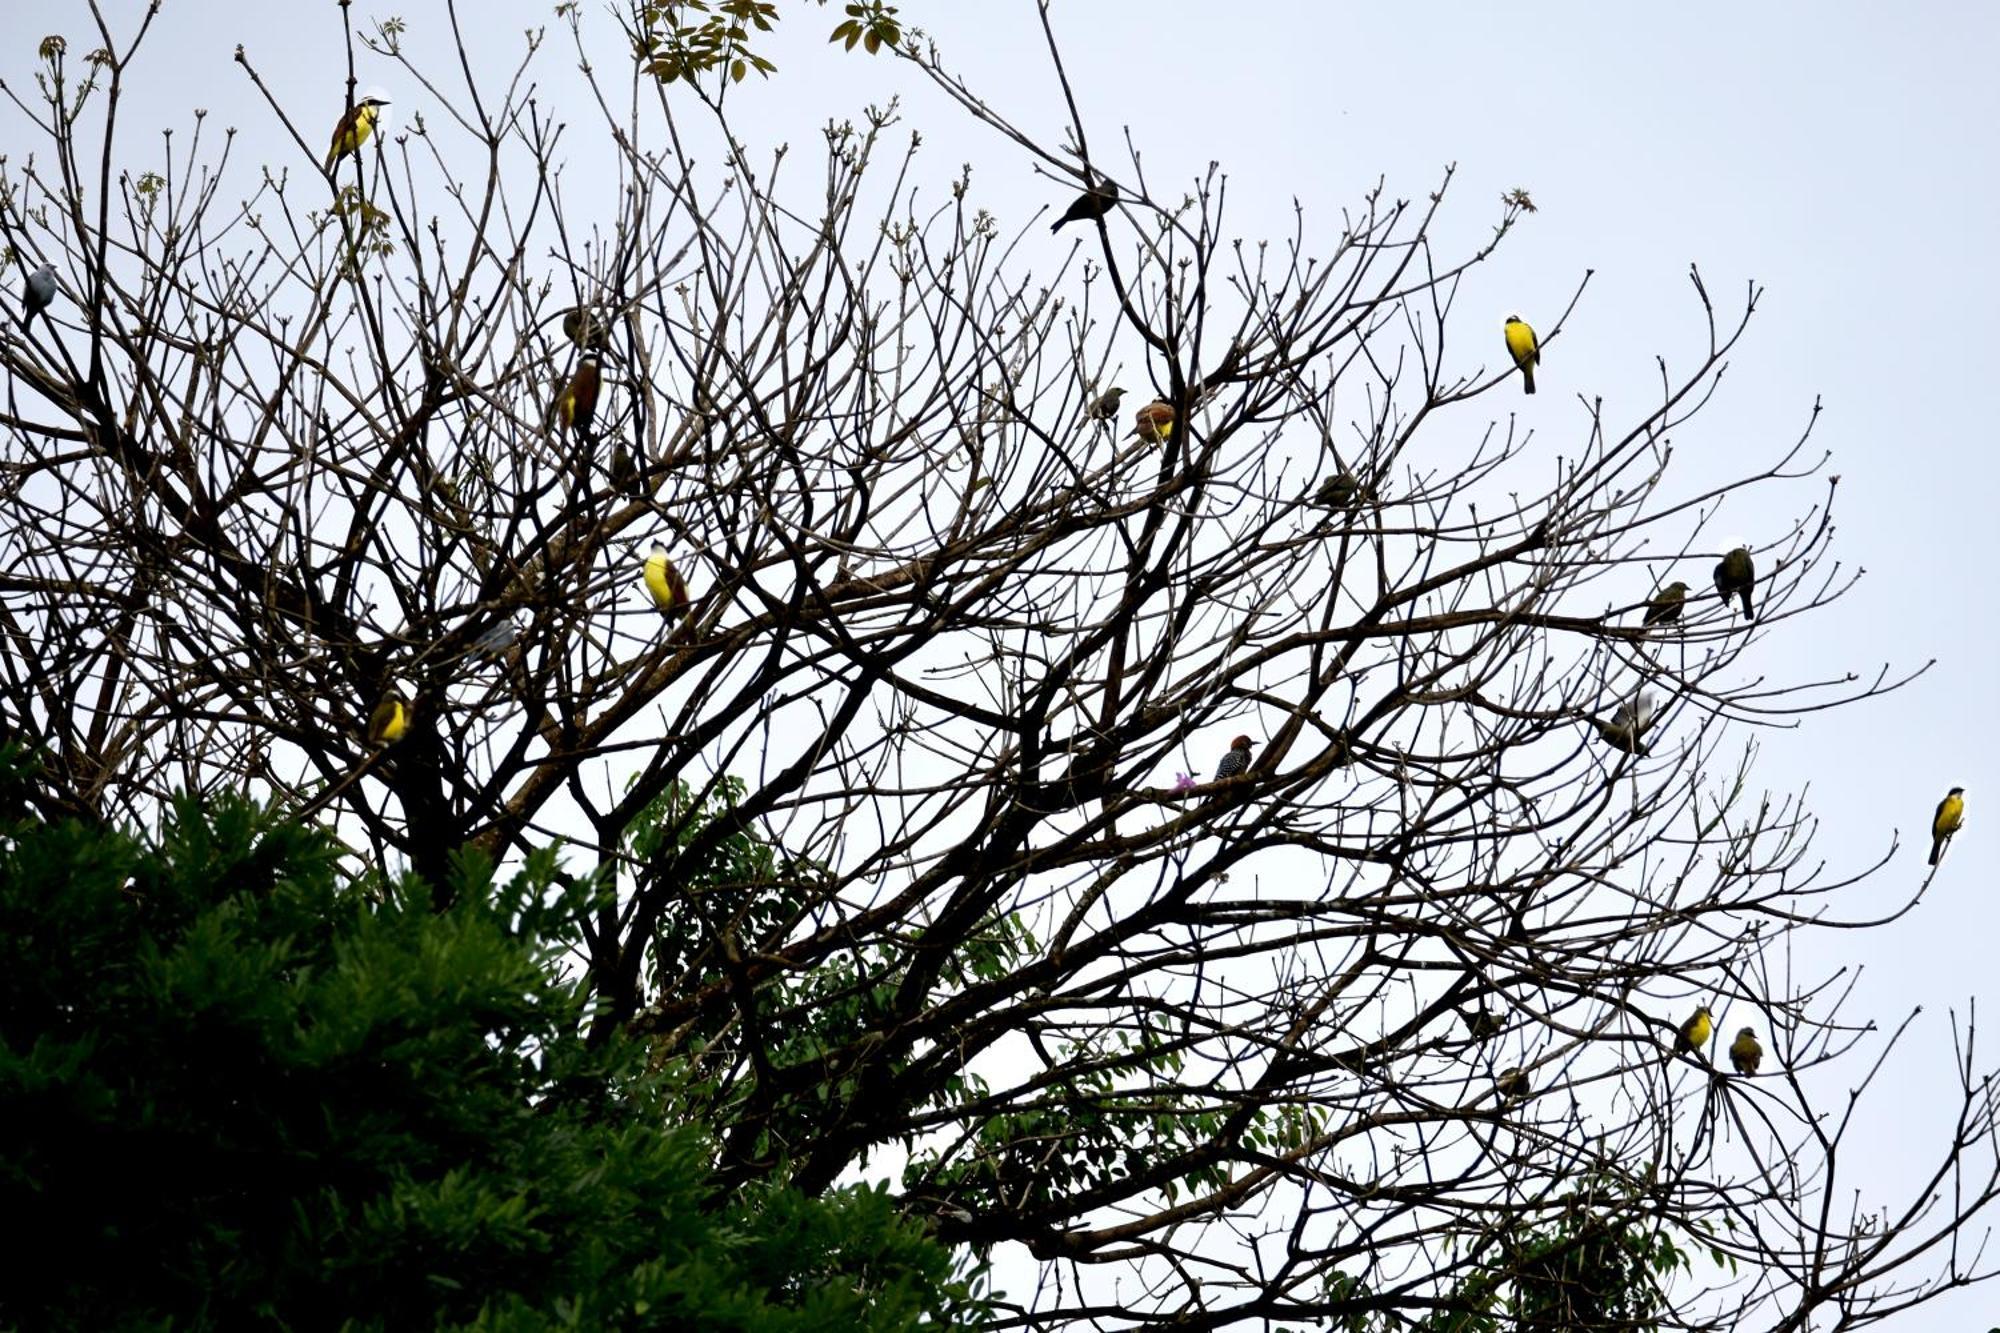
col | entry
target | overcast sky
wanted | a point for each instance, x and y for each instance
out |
(1840, 155)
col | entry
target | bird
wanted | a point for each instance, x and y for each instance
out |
(1950, 814)
(1237, 760)
(354, 128)
(496, 640)
(665, 585)
(1482, 1023)
(624, 476)
(1745, 1053)
(39, 295)
(1105, 405)
(1626, 730)
(1523, 347)
(1512, 1085)
(389, 721)
(1154, 422)
(1736, 574)
(1694, 1033)
(1665, 607)
(577, 403)
(1092, 205)
(1340, 491)
(585, 329)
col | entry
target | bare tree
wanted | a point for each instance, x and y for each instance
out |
(903, 817)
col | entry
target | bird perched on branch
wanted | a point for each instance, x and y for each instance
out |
(1091, 205)
(1105, 406)
(1483, 1024)
(624, 476)
(1744, 1053)
(1237, 760)
(1665, 607)
(1626, 730)
(1154, 423)
(354, 128)
(1524, 348)
(1694, 1033)
(665, 585)
(576, 405)
(1736, 575)
(1512, 1085)
(1950, 814)
(584, 328)
(390, 719)
(1341, 491)
(39, 294)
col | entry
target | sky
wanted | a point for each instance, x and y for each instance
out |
(1839, 155)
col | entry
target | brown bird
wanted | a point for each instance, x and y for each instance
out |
(1745, 1053)
(577, 404)
(1154, 422)
(1665, 608)
(1091, 205)
(356, 124)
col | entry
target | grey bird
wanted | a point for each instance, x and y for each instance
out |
(40, 294)
(1105, 406)
(1736, 575)
(1626, 730)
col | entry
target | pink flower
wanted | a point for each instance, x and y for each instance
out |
(1184, 782)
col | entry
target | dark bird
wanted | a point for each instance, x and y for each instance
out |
(1745, 1053)
(584, 328)
(1513, 1085)
(1341, 491)
(1237, 760)
(1092, 204)
(624, 476)
(1950, 814)
(1483, 1024)
(1665, 608)
(1736, 575)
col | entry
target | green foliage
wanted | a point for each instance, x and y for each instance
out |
(256, 1092)
(684, 39)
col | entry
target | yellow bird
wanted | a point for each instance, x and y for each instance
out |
(664, 583)
(576, 405)
(1745, 1053)
(1695, 1032)
(354, 128)
(389, 721)
(1523, 347)
(1950, 814)
(1154, 423)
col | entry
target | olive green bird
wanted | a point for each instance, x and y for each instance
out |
(1104, 407)
(1483, 1024)
(1513, 1085)
(1666, 605)
(1736, 576)
(1744, 1053)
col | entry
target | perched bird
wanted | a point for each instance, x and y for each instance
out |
(624, 476)
(1695, 1032)
(1736, 575)
(1665, 608)
(1105, 406)
(1522, 346)
(1092, 204)
(1342, 491)
(665, 585)
(1154, 422)
(577, 403)
(1512, 1085)
(496, 640)
(390, 719)
(39, 295)
(1950, 814)
(354, 128)
(1237, 760)
(1745, 1053)
(1484, 1024)
(585, 329)
(1626, 730)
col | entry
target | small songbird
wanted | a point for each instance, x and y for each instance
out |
(1626, 731)
(1105, 406)
(354, 128)
(1512, 1085)
(495, 640)
(1736, 575)
(624, 476)
(1483, 1024)
(1950, 814)
(1091, 205)
(1154, 423)
(1665, 608)
(40, 293)
(665, 585)
(390, 719)
(1694, 1033)
(583, 327)
(1339, 491)
(1237, 760)
(577, 404)
(1524, 348)
(1745, 1053)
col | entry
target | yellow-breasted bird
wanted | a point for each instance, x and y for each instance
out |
(577, 403)
(1736, 575)
(1950, 814)
(1695, 1032)
(354, 128)
(1523, 347)
(1745, 1053)
(1154, 422)
(389, 721)
(665, 585)
(1665, 608)
(1105, 405)
(1091, 205)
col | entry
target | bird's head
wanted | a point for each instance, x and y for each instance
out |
(1701, 1011)
(1956, 791)
(659, 550)
(1513, 319)
(1676, 589)
(1242, 743)
(375, 101)
(1747, 1034)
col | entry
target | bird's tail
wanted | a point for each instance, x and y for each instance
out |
(1527, 379)
(1937, 849)
(1749, 613)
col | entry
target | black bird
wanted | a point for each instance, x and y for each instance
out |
(1092, 204)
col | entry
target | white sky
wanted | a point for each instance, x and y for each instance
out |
(1839, 154)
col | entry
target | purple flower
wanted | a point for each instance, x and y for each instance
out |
(1184, 782)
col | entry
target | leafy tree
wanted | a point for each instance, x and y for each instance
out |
(239, 1086)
